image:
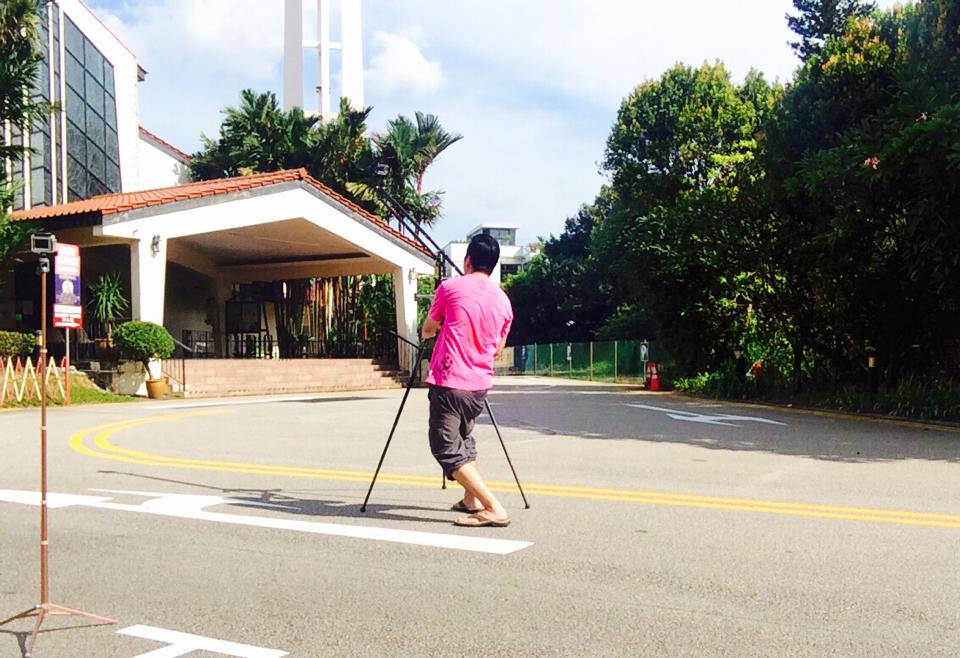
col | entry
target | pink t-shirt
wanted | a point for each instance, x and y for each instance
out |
(476, 316)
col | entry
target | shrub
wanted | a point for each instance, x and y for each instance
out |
(143, 341)
(14, 344)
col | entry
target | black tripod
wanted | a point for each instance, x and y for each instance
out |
(415, 371)
(418, 233)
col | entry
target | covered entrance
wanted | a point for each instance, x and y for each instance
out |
(257, 267)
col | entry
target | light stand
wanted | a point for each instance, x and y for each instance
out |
(442, 258)
(44, 245)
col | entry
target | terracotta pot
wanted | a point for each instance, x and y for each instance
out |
(157, 388)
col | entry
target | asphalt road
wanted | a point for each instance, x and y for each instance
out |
(659, 526)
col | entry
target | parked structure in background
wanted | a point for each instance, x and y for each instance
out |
(350, 47)
(513, 257)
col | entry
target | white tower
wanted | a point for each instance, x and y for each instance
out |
(351, 55)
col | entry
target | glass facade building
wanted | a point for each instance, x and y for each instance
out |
(75, 149)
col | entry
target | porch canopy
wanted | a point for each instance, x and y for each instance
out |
(266, 227)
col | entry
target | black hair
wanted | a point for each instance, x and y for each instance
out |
(483, 252)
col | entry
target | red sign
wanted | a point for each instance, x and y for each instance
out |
(67, 309)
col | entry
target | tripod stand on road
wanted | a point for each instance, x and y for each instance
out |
(443, 259)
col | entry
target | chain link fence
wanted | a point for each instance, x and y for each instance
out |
(617, 360)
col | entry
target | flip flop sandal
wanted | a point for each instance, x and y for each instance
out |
(478, 521)
(460, 506)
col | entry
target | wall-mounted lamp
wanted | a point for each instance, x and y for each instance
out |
(412, 275)
(155, 245)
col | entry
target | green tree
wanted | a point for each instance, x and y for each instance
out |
(408, 148)
(818, 20)
(681, 246)
(561, 293)
(20, 57)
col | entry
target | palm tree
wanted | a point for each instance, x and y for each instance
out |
(256, 137)
(433, 140)
(409, 149)
(20, 57)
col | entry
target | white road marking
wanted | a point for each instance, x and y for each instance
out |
(193, 507)
(715, 419)
(180, 644)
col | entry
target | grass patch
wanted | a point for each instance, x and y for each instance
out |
(82, 391)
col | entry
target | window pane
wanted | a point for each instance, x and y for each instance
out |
(94, 95)
(113, 177)
(74, 40)
(41, 83)
(76, 179)
(36, 187)
(76, 109)
(110, 109)
(95, 186)
(75, 74)
(76, 142)
(93, 61)
(111, 145)
(96, 162)
(96, 130)
(108, 78)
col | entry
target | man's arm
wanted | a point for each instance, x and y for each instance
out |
(431, 325)
(430, 328)
(500, 348)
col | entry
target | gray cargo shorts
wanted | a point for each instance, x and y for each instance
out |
(452, 417)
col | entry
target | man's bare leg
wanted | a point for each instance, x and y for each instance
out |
(478, 492)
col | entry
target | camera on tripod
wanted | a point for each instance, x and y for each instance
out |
(43, 244)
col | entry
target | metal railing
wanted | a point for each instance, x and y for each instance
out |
(175, 368)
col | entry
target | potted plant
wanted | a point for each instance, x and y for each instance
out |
(107, 303)
(146, 342)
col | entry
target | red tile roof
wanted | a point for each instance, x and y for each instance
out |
(111, 204)
(167, 145)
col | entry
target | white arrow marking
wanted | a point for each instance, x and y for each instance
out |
(192, 507)
(180, 644)
(715, 419)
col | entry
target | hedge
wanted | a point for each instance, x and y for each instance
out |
(14, 344)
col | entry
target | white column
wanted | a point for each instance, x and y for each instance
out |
(148, 278)
(323, 57)
(293, 54)
(351, 53)
(405, 291)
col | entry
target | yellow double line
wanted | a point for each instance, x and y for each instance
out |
(104, 449)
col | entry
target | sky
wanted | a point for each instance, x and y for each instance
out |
(532, 85)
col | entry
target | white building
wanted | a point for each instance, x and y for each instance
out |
(190, 254)
(512, 256)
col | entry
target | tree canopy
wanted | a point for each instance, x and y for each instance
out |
(258, 136)
(809, 224)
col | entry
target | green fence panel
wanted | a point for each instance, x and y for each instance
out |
(603, 360)
(600, 360)
(628, 358)
(579, 364)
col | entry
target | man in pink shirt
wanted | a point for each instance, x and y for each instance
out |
(476, 316)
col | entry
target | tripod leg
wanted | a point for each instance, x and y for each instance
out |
(406, 393)
(526, 504)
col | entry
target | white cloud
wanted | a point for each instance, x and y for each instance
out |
(533, 86)
(398, 64)
(247, 39)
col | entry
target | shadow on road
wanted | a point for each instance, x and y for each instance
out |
(300, 502)
(610, 415)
